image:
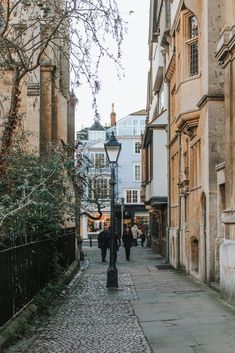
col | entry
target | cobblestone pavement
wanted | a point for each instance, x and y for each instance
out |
(156, 310)
(91, 319)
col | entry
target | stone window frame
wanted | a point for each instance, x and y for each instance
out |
(195, 165)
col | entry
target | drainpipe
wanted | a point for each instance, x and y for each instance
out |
(179, 199)
(169, 181)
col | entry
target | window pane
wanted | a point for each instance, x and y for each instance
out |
(128, 196)
(137, 173)
(193, 59)
(137, 147)
(135, 196)
(99, 160)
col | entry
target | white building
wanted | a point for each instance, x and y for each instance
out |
(97, 191)
(128, 131)
(128, 173)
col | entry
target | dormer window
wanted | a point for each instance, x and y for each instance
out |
(96, 135)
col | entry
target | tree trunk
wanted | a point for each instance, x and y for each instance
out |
(12, 120)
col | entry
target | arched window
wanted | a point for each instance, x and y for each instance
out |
(192, 44)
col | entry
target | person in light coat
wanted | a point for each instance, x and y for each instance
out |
(134, 231)
(127, 239)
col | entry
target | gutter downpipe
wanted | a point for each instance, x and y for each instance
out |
(169, 180)
(179, 201)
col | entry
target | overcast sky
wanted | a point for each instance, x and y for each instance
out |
(129, 94)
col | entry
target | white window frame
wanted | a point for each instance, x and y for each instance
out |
(96, 135)
(132, 194)
(104, 184)
(135, 143)
(93, 156)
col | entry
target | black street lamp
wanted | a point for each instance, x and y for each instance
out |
(112, 149)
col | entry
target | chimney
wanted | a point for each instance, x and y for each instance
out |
(113, 116)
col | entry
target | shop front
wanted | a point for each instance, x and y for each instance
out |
(91, 227)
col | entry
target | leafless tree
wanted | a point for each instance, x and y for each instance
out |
(34, 32)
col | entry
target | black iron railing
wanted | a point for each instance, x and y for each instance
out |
(26, 269)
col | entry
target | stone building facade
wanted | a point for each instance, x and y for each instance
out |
(225, 55)
(196, 134)
(46, 103)
(184, 34)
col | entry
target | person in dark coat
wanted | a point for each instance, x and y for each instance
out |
(127, 242)
(142, 234)
(104, 242)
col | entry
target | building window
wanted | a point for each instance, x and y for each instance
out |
(193, 59)
(137, 172)
(138, 126)
(192, 43)
(131, 196)
(137, 147)
(195, 165)
(98, 188)
(135, 127)
(101, 188)
(98, 160)
(193, 27)
(96, 135)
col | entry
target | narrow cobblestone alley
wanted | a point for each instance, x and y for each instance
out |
(155, 309)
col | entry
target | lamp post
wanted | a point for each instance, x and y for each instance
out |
(112, 149)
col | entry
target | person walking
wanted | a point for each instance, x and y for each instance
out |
(134, 230)
(142, 234)
(104, 242)
(127, 239)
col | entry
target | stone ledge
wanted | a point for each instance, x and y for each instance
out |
(16, 325)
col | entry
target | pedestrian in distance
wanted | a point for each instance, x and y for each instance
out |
(134, 230)
(104, 242)
(142, 234)
(127, 239)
